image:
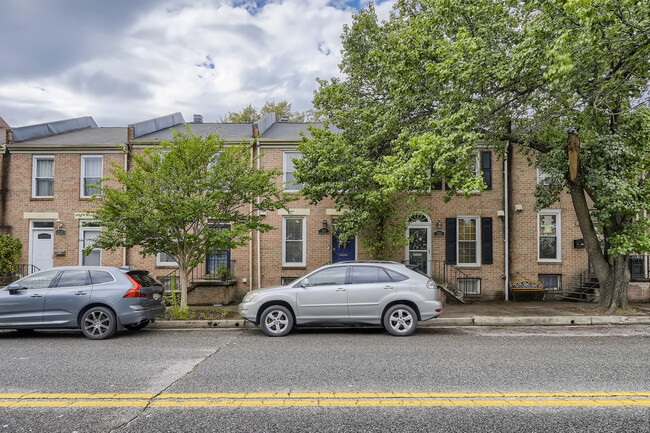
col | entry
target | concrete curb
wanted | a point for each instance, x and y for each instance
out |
(440, 322)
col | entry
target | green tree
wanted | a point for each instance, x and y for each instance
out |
(174, 197)
(282, 109)
(9, 254)
(436, 79)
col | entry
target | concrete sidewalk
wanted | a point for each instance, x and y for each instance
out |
(497, 313)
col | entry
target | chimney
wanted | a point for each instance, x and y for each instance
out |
(198, 118)
(284, 119)
(10, 136)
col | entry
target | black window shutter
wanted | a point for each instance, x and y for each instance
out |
(486, 168)
(450, 241)
(436, 185)
(486, 241)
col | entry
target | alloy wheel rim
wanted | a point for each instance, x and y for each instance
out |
(97, 323)
(401, 320)
(277, 321)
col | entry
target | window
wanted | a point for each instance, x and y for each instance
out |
(551, 282)
(39, 281)
(88, 234)
(43, 176)
(543, 178)
(396, 276)
(469, 286)
(549, 235)
(164, 259)
(92, 170)
(368, 274)
(468, 241)
(99, 277)
(289, 179)
(285, 281)
(73, 279)
(144, 279)
(293, 241)
(329, 276)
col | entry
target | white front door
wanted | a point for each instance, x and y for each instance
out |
(43, 248)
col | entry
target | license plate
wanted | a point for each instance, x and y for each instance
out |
(157, 296)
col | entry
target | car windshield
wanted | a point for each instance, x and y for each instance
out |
(145, 280)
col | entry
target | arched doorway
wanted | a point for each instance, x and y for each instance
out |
(418, 249)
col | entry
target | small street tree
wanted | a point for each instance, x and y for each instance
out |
(567, 80)
(9, 254)
(174, 199)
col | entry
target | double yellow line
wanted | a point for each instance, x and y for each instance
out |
(323, 399)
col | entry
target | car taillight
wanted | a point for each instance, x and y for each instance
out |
(134, 292)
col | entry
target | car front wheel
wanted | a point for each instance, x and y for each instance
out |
(276, 321)
(98, 323)
(400, 320)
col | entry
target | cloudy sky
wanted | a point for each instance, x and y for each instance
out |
(123, 61)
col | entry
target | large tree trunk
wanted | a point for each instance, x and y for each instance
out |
(613, 273)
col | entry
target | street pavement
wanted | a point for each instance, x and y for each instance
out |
(495, 313)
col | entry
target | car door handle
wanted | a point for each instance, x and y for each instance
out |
(80, 293)
(340, 289)
(389, 287)
(36, 295)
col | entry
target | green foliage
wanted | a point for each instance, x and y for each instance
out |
(9, 254)
(250, 114)
(187, 198)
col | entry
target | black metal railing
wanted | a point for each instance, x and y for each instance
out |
(443, 274)
(16, 272)
(210, 270)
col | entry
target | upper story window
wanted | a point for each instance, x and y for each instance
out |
(164, 259)
(549, 234)
(43, 176)
(288, 168)
(92, 169)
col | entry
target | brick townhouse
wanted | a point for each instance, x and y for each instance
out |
(475, 246)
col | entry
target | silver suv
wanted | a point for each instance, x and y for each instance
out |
(368, 292)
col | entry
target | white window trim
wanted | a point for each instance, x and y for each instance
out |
(285, 155)
(83, 229)
(558, 235)
(478, 241)
(304, 243)
(83, 173)
(163, 263)
(34, 159)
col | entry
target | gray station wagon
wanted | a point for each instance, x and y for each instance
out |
(99, 300)
(369, 292)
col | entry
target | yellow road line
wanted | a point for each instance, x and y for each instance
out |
(320, 395)
(324, 403)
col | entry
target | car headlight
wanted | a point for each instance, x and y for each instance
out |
(250, 296)
(431, 284)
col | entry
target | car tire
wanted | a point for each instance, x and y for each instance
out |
(400, 320)
(138, 326)
(276, 321)
(98, 323)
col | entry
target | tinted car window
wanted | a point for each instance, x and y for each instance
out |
(99, 277)
(368, 274)
(39, 281)
(328, 276)
(144, 280)
(396, 276)
(73, 278)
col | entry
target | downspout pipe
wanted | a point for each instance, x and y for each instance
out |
(506, 222)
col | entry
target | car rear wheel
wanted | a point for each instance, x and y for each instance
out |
(276, 321)
(138, 326)
(98, 323)
(400, 320)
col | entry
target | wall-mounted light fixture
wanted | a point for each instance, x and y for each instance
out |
(323, 230)
(59, 224)
(439, 224)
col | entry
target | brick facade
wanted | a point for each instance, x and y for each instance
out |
(260, 263)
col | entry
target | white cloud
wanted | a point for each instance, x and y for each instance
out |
(200, 57)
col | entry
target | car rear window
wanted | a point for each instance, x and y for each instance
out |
(145, 280)
(73, 278)
(368, 274)
(99, 277)
(396, 276)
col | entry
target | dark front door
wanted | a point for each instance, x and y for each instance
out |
(342, 252)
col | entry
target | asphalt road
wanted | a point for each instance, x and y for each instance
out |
(440, 379)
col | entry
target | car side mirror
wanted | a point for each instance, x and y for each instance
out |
(304, 283)
(13, 288)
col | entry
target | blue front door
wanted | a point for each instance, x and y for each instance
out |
(342, 252)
